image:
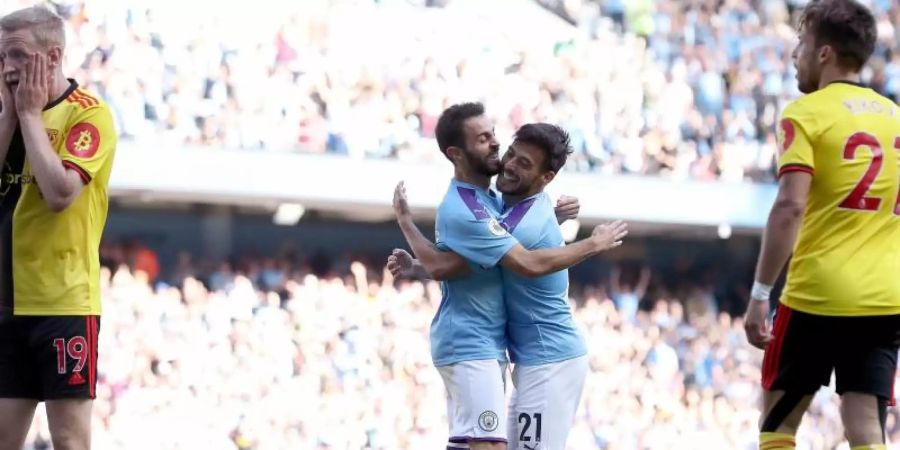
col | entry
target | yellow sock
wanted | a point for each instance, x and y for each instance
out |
(870, 447)
(776, 441)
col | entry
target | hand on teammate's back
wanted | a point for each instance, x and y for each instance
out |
(567, 208)
(32, 91)
(401, 207)
(609, 235)
(400, 263)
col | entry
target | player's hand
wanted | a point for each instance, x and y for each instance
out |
(400, 264)
(401, 207)
(566, 208)
(609, 235)
(358, 269)
(32, 93)
(7, 100)
(756, 324)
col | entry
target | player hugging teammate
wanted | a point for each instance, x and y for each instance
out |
(502, 261)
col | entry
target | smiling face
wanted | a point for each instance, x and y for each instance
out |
(481, 153)
(524, 170)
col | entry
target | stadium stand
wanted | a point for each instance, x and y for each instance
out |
(689, 90)
(270, 353)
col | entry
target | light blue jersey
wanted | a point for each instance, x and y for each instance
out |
(540, 327)
(470, 324)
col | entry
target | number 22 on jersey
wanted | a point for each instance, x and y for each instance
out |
(858, 198)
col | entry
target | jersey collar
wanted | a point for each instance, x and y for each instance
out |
(507, 207)
(851, 83)
(489, 191)
(72, 86)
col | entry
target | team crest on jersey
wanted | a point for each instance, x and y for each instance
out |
(786, 133)
(495, 228)
(488, 421)
(53, 135)
(83, 140)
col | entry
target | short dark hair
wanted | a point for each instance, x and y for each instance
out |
(449, 128)
(553, 140)
(846, 25)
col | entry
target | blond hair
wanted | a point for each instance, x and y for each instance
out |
(46, 27)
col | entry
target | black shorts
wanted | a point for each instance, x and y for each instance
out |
(806, 348)
(48, 357)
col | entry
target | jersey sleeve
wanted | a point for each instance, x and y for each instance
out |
(476, 235)
(90, 142)
(795, 133)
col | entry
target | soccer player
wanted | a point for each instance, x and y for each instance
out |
(546, 347)
(57, 142)
(468, 334)
(838, 210)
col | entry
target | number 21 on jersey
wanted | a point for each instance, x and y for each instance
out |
(858, 198)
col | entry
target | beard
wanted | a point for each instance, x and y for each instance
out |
(483, 165)
(808, 78)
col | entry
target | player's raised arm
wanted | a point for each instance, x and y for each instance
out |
(439, 265)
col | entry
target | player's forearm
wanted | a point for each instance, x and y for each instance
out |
(549, 260)
(46, 166)
(418, 270)
(778, 240)
(431, 259)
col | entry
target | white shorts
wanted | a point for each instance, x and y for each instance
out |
(476, 401)
(544, 401)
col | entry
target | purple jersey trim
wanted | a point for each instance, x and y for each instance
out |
(511, 221)
(465, 440)
(470, 198)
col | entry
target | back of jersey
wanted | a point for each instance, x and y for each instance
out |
(846, 260)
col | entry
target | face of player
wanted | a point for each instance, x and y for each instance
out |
(523, 170)
(808, 62)
(15, 51)
(482, 152)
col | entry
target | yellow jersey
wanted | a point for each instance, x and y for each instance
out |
(50, 262)
(846, 260)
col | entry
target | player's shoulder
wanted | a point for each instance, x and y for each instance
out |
(462, 201)
(84, 100)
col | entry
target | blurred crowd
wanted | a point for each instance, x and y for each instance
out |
(676, 88)
(270, 355)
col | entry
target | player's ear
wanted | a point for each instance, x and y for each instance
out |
(825, 52)
(548, 176)
(453, 153)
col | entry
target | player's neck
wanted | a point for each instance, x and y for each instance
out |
(833, 74)
(510, 199)
(482, 181)
(60, 86)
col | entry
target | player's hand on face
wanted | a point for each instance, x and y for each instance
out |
(401, 207)
(609, 235)
(7, 99)
(32, 92)
(756, 324)
(567, 208)
(400, 263)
